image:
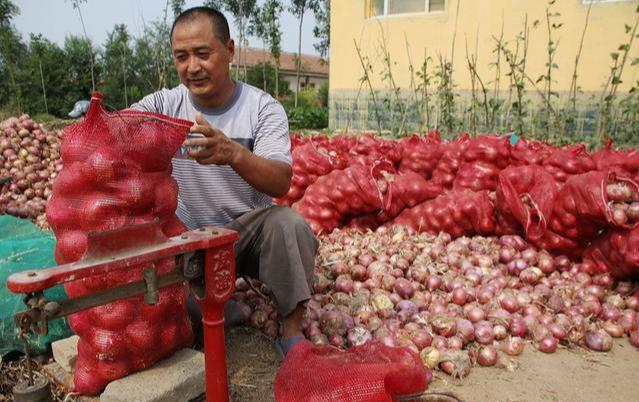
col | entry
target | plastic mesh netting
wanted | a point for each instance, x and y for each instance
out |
(117, 172)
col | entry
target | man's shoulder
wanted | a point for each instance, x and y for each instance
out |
(257, 94)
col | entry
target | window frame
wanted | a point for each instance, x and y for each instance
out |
(386, 8)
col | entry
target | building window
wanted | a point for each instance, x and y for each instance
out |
(378, 8)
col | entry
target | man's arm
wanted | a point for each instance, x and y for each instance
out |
(268, 176)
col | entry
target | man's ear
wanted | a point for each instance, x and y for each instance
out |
(230, 46)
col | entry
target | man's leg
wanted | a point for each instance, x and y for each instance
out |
(277, 246)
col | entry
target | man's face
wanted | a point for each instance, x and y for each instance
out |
(201, 59)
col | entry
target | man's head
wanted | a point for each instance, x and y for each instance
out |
(202, 51)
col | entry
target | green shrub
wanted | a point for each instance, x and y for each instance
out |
(307, 117)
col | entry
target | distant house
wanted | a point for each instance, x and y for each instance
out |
(314, 70)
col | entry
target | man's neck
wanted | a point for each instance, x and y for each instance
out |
(219, 99)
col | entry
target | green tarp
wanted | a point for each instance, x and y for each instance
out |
(24, 246)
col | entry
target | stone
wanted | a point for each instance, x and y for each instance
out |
(178, 378)
(65, 352)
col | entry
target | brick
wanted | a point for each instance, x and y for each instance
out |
(65, 352)
(178, 378)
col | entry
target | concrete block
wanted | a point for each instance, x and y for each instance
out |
(178, 378)
(65, 352)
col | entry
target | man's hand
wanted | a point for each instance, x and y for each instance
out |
(215, 147)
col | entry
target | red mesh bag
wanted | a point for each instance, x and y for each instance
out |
(339, 195)
(450, 161)
(368, 149)
(584, 206)
(530, 152)
(310, 161)
(477, 176)
(403, 190)
(421, 155)
(457, 212)
(117, 172)
(372, 372)
(623, 162)
(615, 252)
(567, 161)
(526, 194)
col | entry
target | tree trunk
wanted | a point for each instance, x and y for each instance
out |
(299, 57)
(264, 67)
(44, 91)
(277, 78)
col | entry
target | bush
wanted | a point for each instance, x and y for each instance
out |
(307, 117)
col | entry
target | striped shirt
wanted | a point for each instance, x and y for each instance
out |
(215, 195)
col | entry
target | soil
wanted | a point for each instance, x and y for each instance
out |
(569, 375)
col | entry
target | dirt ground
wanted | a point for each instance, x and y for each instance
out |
(574, 375)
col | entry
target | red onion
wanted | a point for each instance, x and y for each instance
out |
(459, 296)
(403, 288)
(613, 329)
(548, 344)
(421, 338)
(598, 340)
(487, 356)
(484, 334)
(512, 346)
(634, 338)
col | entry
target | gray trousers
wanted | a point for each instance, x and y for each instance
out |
(276, 246)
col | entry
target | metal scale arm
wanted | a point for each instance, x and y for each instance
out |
(204, 257)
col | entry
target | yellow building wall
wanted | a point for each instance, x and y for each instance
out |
(473, 24)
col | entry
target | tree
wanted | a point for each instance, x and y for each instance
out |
(298, 8)
(177, 6)
(117, 66)
(76, 5)
(78, 77)
(271, 12)
(41, 76)
(11, 50)
(264, 74)
(241, 10)
(322, 30)
(37, 47)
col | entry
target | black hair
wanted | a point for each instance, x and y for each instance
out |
(218, 21)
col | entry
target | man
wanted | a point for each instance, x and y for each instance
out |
(237, 157)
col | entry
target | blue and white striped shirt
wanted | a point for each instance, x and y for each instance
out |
(215, 195)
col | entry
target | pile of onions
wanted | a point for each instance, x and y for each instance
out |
(484, 296)
(30, 155)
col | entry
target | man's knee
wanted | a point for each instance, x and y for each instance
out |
(283, 220)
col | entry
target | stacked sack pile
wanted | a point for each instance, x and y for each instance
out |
(117, 172)
(562, 199)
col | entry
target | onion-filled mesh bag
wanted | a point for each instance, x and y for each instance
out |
(526, 194)
(615, 252)
(371, 372)
(567, 161)
(450, 161)
(527, 152)
(117, 172)
(623, 162)
(421, 155)
(458, 212)
(591, 202)
(402, 190)
(310, 161)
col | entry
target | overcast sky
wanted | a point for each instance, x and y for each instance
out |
(55, 19)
